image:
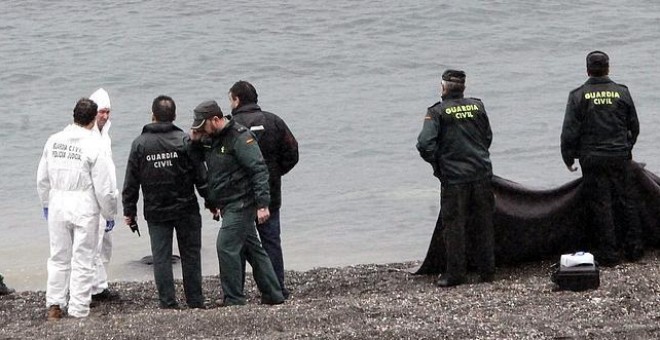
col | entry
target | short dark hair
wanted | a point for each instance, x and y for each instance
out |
(598, 63)
(245, 92)
(453, 87)
(164, 108)
(84, 112)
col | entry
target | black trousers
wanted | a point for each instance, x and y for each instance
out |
(189, 237)
(612, 201)
(468, 207)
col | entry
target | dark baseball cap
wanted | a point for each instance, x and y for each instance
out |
(204, 111)
(597, 60)
(454, 76)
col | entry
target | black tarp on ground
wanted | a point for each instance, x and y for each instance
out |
(536, 224)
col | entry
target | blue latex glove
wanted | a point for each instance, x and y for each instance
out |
(109, 225)
(46, 214)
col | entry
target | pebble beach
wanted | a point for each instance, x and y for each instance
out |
(383, 301)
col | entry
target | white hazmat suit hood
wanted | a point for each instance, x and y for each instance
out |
(101, 98)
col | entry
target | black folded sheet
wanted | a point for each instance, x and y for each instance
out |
(532, 225)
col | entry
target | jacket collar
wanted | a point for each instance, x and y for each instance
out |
(599, 80)
(245, 108)
(77, 130)
(160, 127)
(452, 95)
(230, 122)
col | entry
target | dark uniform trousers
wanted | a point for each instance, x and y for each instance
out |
(608, 185)
(237, 241)
(269, 233)
(471, 202)
(189, 238)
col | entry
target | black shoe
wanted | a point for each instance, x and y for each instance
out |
(196, 306)
(634, 254)
(271, 302)
(174, 306)
(608, 261)
(226, 303)
(286, 293)
(105, 295)
(485, 278)
(4, 290)
(444, 281)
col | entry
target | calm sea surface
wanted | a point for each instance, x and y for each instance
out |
(353, 81)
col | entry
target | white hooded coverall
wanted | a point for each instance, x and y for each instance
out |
(104, 247)
(75, 184)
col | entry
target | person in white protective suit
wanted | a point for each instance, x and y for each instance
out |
(100, 291)
(75, 185)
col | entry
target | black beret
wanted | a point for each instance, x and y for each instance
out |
(597, 59)
(454, 76)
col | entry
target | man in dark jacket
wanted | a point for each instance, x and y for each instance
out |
(160, 162)
(280, 150)
(455, 139)
(238, 188)
(600, 129)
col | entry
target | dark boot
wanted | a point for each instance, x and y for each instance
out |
(448, 281)
(4, 290)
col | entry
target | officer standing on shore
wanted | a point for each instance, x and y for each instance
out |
(238, 188)
(600, 129)
(280, 150)
(160, 162)
(455, 139)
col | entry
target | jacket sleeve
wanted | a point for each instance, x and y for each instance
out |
(105, 187)
(43, 180)
(250, 158)
(195, 152)
(427, 141)
(288, 151)
(633, 122)
(489, 133)
(131, 190)
(570, 132)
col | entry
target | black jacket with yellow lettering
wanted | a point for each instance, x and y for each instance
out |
(455, 139)
(278, 145)
(161, 163)
(237, 172)
(600, 120)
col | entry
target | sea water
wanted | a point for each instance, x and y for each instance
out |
(352, 79)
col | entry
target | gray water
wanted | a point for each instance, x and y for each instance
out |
(353, 81)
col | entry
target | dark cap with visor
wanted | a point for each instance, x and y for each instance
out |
(204, 111)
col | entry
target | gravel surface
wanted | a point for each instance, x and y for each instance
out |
(372, 301)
